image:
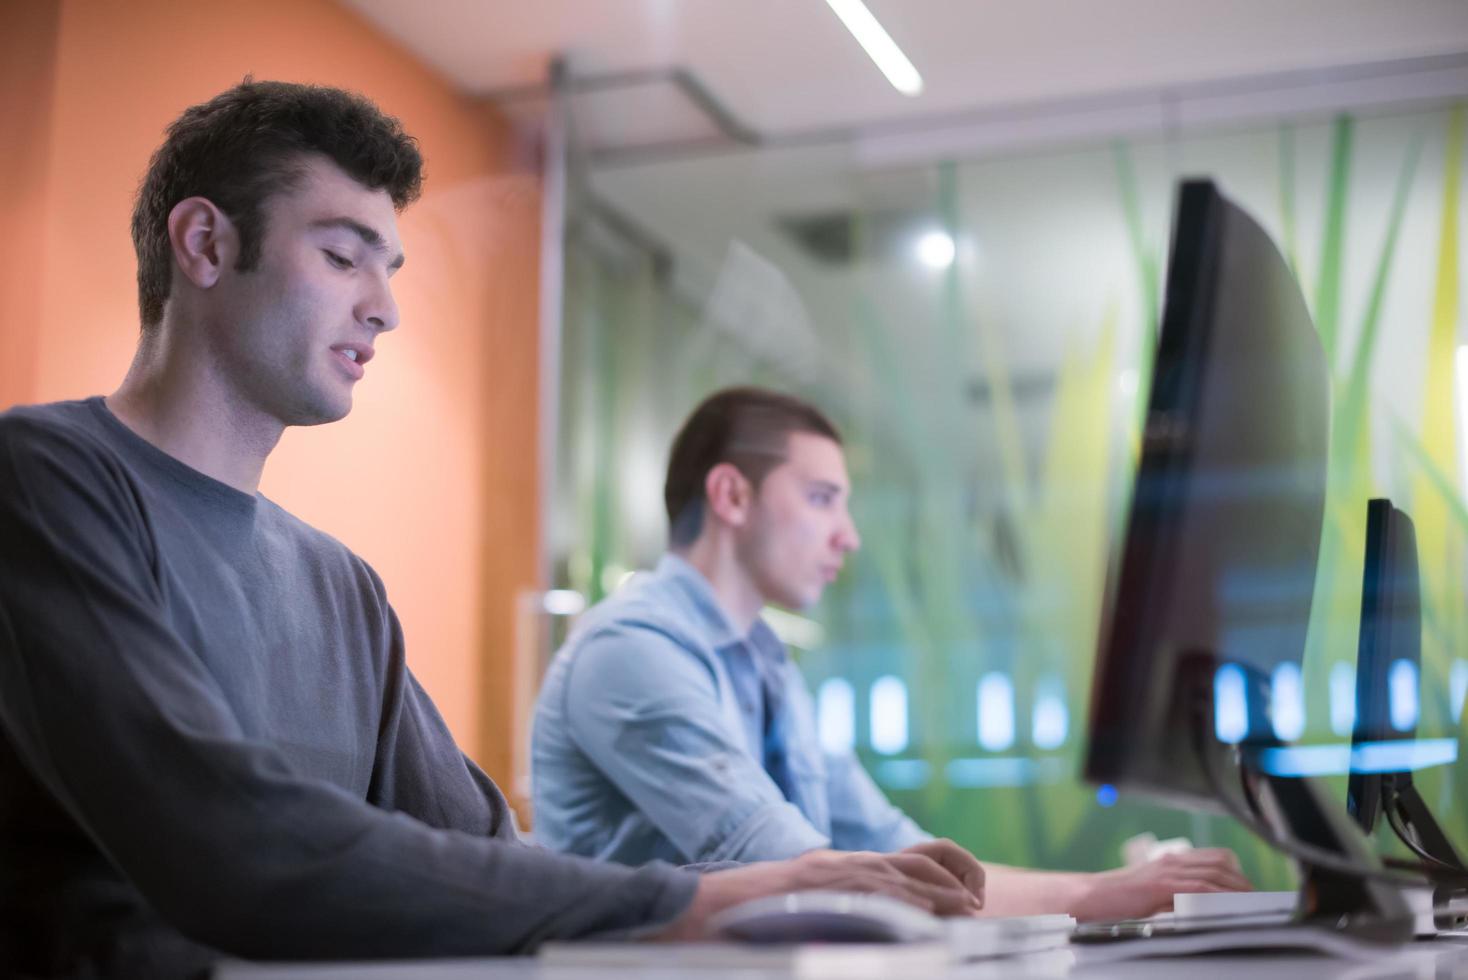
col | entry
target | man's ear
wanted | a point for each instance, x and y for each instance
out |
(204, 240)
(729, 494)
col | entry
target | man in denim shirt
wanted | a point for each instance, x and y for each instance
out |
(673, 725)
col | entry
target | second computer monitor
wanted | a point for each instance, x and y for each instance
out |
(1391, 641)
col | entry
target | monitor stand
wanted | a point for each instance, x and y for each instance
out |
(1412, 819)
(1300, 810)
(1339, 911)
(1366, 908)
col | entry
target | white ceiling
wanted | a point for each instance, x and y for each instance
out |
(1001, 79)
(789, 65)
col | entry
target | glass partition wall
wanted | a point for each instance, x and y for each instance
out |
(980, 325)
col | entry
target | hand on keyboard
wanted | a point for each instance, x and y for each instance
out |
(957, 862)
(1145, 889)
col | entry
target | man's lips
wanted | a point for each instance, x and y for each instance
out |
(352, 357)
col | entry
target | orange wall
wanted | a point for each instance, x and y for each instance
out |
(27, 63)
(431, 478)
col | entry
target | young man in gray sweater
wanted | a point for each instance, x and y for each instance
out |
(210, 742)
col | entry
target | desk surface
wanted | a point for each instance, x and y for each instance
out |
(1439, 959)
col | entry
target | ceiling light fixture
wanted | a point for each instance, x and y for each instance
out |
(936, 249)
(878, 44)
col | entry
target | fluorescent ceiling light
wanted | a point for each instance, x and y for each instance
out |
(879, 45)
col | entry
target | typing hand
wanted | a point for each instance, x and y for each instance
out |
(1145, 889)
(915, 878)
(957, 862)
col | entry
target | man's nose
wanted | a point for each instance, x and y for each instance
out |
(378, 309)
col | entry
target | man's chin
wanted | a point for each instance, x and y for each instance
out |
(803, 602)
(321, 411)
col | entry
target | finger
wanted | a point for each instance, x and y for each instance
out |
(915, 873)
(1199, 886)
(930, 872)
(923, 868)
(1221, 854)
(1229, 881)
(1215, 857)
(1232, 859)
(1233, 879)
(959, 862)
(948, 901)
(891, 887)
(1225, 877)
(945, 900)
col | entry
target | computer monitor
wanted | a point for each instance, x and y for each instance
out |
(1388, 668)
(1218, 567)
(1391, 631)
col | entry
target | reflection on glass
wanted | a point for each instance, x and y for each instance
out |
(889, 715)
(1458, 686)
(1342, 699)
(996, 712)
(1008, 770)
(1287, 702)
(1230, 709)
(836, 716)
(1402, 690)
(1051, 721)
(1461, 360)
(991, 419)
(903, 773)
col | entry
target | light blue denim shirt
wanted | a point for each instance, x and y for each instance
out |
(649, 732)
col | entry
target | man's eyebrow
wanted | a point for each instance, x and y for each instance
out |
(367, 233)
(819, 484)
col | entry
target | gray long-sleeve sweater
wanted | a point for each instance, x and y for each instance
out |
(210, 742)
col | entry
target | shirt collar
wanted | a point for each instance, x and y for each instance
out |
(711, 615)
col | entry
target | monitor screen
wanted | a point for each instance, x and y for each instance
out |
(1218, 565)
(1389, 656)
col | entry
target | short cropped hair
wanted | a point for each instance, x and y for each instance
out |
(747, 427)
(253, 141)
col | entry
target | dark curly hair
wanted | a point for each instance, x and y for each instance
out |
(748, 427)
(250, 142)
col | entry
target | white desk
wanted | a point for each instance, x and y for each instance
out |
(1441, 959)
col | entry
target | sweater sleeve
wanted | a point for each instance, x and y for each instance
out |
(120, 721)
(419, 770)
